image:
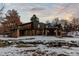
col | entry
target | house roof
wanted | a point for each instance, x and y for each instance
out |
(25, 24)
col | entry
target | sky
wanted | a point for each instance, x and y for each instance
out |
(44, 11)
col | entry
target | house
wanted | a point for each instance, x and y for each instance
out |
(29, 29)
(13, 27)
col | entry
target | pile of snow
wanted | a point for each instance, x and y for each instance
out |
(73, 33)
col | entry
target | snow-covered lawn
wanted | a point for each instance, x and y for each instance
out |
(40, 49)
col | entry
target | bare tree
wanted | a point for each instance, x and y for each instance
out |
(47, 22)
(56, 20)
(1, 14)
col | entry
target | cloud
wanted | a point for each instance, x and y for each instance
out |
(45, 11)
(37, 9)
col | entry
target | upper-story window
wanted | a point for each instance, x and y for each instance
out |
(38, 25)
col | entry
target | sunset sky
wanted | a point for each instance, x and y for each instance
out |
(44, 11)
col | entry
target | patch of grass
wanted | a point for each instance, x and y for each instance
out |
(4, 43)
(25, 45)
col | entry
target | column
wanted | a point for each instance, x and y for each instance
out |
(18, 33)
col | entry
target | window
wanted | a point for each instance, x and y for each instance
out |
(38, 25)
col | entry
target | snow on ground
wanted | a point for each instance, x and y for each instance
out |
(48, 38)
(13, 51)
(40, 49)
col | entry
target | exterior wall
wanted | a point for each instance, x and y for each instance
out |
(29, 29)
